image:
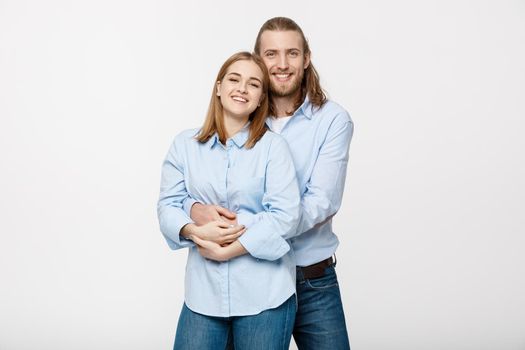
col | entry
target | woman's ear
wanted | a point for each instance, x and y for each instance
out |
(218, 88)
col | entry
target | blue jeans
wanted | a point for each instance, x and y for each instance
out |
(320, 320)
(268, 330)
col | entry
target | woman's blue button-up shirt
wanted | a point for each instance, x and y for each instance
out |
(258, 184)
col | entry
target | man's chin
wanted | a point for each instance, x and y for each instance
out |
(279, 91)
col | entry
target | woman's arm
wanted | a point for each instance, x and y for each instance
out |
(175, 224)
(214, 251)
(172, 194)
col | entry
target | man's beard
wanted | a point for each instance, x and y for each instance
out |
(287, 91)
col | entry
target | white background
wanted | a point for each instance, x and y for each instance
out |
(432, 222)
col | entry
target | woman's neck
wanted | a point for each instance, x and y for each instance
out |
(233, 125)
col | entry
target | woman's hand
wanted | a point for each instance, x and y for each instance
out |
(213, 251)
(218, 231)
(202, 214)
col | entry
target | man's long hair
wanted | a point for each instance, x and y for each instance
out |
(310, 86)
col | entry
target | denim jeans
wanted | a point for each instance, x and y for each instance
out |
(320, 320)
(268, 330)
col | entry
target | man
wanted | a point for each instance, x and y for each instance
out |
(318, 132)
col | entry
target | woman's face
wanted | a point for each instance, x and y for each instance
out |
(241, 89)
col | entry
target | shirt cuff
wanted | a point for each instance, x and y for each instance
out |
(171, 223)
(267, 246)
(247, 219)
(188, 203)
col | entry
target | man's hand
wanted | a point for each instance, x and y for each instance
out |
(214, 251)
(218, 232)
(202, 214)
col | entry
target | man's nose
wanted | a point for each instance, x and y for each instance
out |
(283, 62)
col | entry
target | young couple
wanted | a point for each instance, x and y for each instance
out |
(255, 208)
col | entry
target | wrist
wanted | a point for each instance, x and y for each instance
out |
(195, 206)
(234, 250)
(188, 230)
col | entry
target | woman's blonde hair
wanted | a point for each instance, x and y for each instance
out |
(214, 122)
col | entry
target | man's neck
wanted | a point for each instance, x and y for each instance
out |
(285, 106)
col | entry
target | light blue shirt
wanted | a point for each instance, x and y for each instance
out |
(319, 140)
(259, 184)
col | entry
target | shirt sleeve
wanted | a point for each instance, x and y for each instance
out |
(266, 235)
(187, 204)
(172, 195)
(324, 190)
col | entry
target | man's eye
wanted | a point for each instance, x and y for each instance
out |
(294, 53)
(270, 54)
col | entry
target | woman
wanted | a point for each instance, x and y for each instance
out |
(239, 286)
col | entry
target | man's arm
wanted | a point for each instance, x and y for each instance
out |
(264, 237)
(324, 190)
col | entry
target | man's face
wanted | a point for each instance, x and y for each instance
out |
(283, 54)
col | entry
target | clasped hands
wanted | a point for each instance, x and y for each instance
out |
(215, 232)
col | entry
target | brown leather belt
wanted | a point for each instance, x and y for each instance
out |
(315, 270)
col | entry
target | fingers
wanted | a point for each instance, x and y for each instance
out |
(230, 230)
(205, 244)
(225, 212)
(227, 228)
(222, 224)
(197, 240)
(233, 237)
(219, 232)
(229, 221)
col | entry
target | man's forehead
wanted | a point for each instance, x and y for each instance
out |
(278, 39)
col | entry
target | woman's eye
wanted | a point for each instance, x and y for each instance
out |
(255, 85)
(233, 79)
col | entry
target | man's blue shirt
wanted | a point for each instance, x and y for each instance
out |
(319, 139)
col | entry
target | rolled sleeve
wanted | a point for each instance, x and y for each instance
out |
(247, 219)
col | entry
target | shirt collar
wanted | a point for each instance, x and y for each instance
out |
(212, 141)
(305, 109)
(239, 139)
